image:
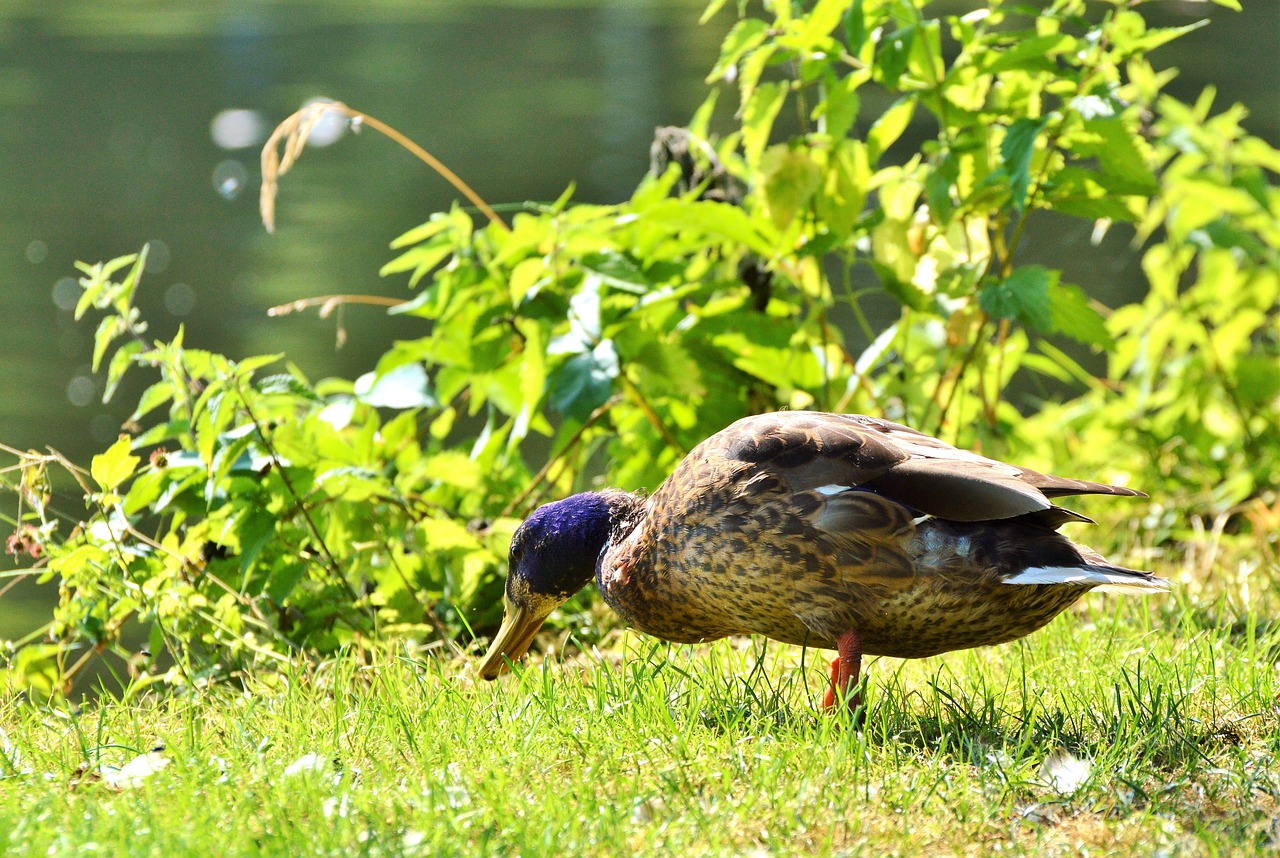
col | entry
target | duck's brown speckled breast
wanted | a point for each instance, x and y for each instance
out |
(690, 571)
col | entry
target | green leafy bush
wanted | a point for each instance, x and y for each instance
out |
(586, 343)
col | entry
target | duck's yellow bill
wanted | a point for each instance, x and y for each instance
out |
(519, 625)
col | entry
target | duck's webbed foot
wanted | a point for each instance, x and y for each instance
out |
(845, 671)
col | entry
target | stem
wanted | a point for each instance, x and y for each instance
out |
(430, 160)
(639, 400)
(329, 562)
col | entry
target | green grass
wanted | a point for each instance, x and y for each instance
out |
(656, 750)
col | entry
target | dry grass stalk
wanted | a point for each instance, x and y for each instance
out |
(296, 129)
(329, 303)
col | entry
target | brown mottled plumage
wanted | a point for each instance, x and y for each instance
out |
(836, 531)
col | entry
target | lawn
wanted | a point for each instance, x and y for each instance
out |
(1128, 725)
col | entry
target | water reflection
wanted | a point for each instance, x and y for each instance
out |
(121, 124)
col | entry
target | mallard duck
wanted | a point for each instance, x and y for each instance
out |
(827, 530)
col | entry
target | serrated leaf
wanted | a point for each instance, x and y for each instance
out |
(1030, 52)
(886, 130)
(745, 36)
(108, 330)
(118, 366)
(893, 53)
(256, 362)
(1023, 296)
(111, 468)
(819, 22)
(1015, 152)
(254, 530)
(1115, 147)
(715, 220)
(758, 115)
(712, 8)
(617, 271)
(938, 183)
(153, 397)
(445, 534)
(419, 234)
(420, 260)
(1074, 317)
(839, 108)
(790, 180)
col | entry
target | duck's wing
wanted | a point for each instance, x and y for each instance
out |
(832, 454)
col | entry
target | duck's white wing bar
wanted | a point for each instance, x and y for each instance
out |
(1115, 580)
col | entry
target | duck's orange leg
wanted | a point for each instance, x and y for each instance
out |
(844, 673)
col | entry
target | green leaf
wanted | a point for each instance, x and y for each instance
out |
(855, 27)
(618, 271)
(719, 221)
(405, 386)
(445, 534)
(109, 329)
(838, 109)
(757, 119)
(124, 299)
(845, 191)
(712, 8)
(1022, 296)
(1015, 151)
(1116, 148)
(419, 234)
(585, 381)
(819, 22)
(153, 397)
(1031, 53)
(119, 364)
(745, 36)
(937, 187)
(790, 180)
(1258, 378)
(283, 580)
(889, 127)
(892, 55)
(111, 468)
(254, 530)
(253, 363)
(420, 260)
(925, 60)
(1074, 317)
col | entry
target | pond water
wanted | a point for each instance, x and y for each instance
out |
(124, 123)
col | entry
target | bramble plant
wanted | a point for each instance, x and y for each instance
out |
(276, 516)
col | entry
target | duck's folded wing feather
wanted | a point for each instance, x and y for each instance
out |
(832, 453)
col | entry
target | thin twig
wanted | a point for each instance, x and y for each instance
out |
(639, 400)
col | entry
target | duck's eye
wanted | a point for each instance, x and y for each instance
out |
(516, 550)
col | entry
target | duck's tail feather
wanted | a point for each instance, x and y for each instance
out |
(1116, 579)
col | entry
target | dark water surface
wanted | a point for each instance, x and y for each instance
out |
(115, 130)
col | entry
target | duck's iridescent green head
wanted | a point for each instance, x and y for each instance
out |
(553, 555)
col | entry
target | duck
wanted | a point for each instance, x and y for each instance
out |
(835, 531)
